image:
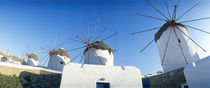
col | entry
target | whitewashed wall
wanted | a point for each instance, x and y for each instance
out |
(32, 62)
(93, 55)
(76, 76)
(1, 56)
(57, 62)
(198, 74)
(174, 58)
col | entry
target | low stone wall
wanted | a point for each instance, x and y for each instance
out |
(32, 78)
(173, 79)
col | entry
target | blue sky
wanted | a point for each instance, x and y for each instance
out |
(34, 24)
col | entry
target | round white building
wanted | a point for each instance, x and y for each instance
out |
(99, 54)
(58, 59)
(175, 47)
(32, 60)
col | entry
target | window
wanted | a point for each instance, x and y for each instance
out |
(184, 85)
(102, 85)
(179, 40)
(61, 62)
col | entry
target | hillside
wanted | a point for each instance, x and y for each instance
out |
(13, 57)
(18, 76)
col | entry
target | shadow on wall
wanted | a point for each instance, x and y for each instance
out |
(31, 80)
(104, 60)
(100, 60)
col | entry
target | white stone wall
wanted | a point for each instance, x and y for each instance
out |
(197, 74)
(174, 58)
(76, 76)
(93, 55)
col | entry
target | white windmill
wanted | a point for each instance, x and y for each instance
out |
(31, 58)
(98, 70)
(173, 41)
(96, 51)
(56, 58)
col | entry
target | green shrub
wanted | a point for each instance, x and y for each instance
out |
(4, 59)
(10, 82)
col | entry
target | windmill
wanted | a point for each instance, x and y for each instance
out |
(31, 58)
(94, 51)
(56, 57)
(174, 43)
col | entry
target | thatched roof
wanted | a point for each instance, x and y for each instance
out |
(101, 45)
(33, 56)
(164, 28)
(62, 52)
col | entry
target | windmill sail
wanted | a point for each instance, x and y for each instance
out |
(95, 51)
(56, 57)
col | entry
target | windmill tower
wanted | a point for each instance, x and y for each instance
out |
(96, 52)
(174, 44)
(99, 53)
(56, 58)
(32, 59)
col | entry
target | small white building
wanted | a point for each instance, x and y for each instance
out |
(58, 59)
(100, 76)
(10, 60)
(1, 56)
(32, 60)
(175, 48)
(197, 74)
(99, 71)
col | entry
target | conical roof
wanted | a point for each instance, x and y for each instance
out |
(62, 52)
(101, 45)
(164, 28)
(33, 56)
